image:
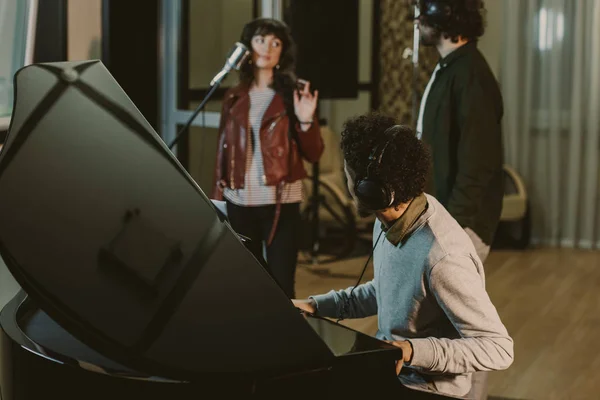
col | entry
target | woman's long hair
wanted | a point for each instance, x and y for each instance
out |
(284, 77)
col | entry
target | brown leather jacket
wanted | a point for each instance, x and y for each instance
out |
(281, 156)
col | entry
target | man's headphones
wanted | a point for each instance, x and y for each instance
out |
(435, 12)
(371, 192)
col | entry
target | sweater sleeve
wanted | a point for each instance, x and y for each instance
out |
(484, 343)
(362, 304)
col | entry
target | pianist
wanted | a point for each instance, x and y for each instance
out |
(429, 286)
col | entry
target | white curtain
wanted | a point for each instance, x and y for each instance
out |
(550, 79)
(17, 19)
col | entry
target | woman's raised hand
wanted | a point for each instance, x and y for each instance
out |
(305, 104)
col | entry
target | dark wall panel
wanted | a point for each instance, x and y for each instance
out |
(130, 51)
(51, 31)
(326, 33)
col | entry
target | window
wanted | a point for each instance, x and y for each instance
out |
(16, 48)
(551, 28)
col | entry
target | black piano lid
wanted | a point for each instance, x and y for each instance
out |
(106, 231)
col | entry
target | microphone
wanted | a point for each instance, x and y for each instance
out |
(235, 59)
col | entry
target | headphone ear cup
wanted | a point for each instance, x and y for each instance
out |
(372, 194)
(438, 12)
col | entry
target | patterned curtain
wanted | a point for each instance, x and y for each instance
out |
(396, 94)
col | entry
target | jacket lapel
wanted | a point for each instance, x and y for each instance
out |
(240, 107)
(275, 109)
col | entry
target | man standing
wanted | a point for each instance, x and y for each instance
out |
(460, 119)
(429, 285)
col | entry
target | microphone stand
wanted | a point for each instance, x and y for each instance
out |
(343, 216)
(415, 74)
(315, 202)
(235, 59)
(191, 119)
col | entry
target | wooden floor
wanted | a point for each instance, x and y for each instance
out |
(549, 300)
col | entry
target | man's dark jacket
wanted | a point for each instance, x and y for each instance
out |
(462, 127)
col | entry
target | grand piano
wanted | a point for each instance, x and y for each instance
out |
(133, 284)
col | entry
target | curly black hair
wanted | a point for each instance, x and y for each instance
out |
(454, 18)
(284, 77)
(405, 163)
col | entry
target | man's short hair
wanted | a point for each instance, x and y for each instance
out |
(405, 163)
(465, 18)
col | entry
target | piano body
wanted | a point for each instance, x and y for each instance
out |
(134, 286)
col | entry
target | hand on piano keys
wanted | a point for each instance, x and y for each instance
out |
(407, 352)
(307, 305)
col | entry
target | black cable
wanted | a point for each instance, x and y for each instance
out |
(347, 302)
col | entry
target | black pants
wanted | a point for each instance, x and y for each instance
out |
(256, 223)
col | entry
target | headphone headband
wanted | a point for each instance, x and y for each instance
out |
(373, 157)
(371, 191)
(435, 12)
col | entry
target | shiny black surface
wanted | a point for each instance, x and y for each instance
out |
(343, 341)
(60, 366)
(112, 238)
(42, 360)
(32, 328)
(60, 344)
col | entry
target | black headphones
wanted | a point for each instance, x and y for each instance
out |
(371, 192)
(436, 12)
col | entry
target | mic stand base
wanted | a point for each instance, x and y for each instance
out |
(342, 215)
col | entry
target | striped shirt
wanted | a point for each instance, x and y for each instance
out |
(255, 192)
